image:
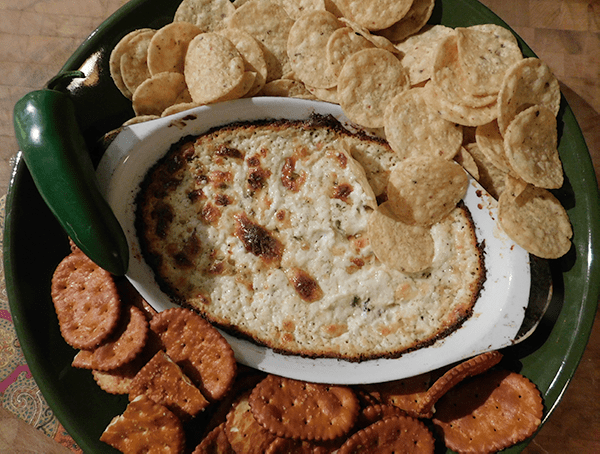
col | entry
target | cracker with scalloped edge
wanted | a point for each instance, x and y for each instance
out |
(164, 382)
(199, 349)
(303, 410)
(392, 434)
(121, 347)
(405, 394)
(469, 368)
(489, 412)
(215, 442)
(143, 426)
(86, 301)
(243, 432)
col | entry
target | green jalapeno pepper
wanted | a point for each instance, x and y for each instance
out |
(59, 162)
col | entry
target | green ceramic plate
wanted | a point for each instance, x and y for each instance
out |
(34, 244)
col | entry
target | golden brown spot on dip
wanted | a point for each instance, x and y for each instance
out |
(229, 152)
(220, 179)
(258, 240)
(305, 285)
(342, 192)
(289, 178)
(222, 200)
(210, 213)
(257, 178)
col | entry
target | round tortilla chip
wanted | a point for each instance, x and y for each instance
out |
(168, 46)
(368, 81)
(374, 14)
(252, 53)
(450, 76)
(527, 83)
(458, 113)
(423, 190)
(213, 68)
(404, 247)
(485, 58)
(179, 107)
(307, 48)
(287, 88)
(489, 412)
(466, 160)
(491, 144)
(489, 176)
(208, 15)
(297, 8)
(160, 91)
(134, 60)
(530, 143)
(417, 16)
(342, 43)
(536, 221)
(115, 60)
(268, 22)
(418, 52)
(412, 128)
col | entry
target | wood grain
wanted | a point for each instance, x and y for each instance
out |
(37, 37)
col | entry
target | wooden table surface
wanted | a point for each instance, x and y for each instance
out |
(37, 37)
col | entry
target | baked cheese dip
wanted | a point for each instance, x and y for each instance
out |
(262, 228)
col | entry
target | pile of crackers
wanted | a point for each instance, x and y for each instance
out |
(176, 368)
(466, 95)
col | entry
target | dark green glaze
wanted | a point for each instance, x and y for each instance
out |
(60, 164)
(34, 243)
